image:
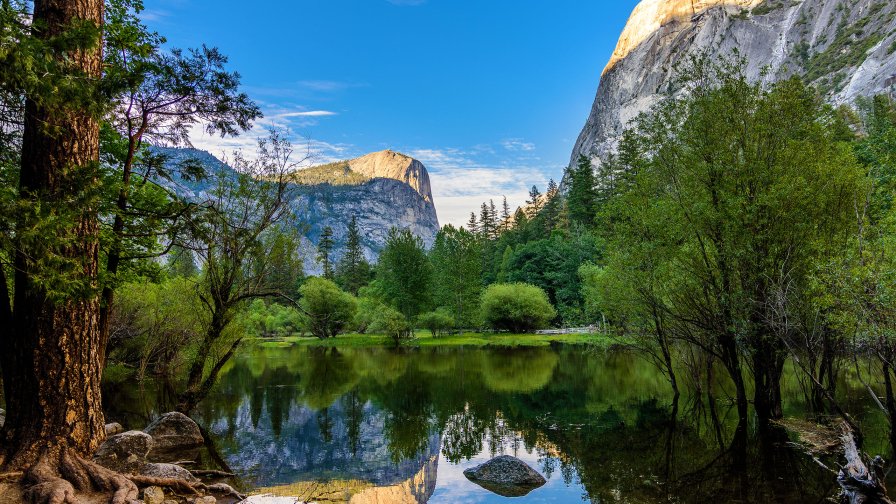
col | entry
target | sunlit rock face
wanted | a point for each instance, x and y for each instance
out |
(381, 190)
(845, 48)
(392, 165)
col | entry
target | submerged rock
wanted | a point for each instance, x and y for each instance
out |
(125, 452)
(174, 431)
(507, 476)
(168, 471)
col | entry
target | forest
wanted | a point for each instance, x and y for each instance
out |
(742, 229)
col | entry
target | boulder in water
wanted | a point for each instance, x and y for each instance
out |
(507, 476)
(174, 431)
(125, 452)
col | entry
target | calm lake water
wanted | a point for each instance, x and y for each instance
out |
(400, 426)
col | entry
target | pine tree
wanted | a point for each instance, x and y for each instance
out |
(493, 216)
(534, 202)
(324, 250)
(485, 221)
(582, 195)
(552, 208)
(473, 224)
(353, 271)
(505, 215)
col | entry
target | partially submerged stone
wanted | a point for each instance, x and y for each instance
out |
(125, 452)
(175, 431)
(506, 476)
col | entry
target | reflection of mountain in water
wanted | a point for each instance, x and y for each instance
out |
(415, 490)
(342, 442)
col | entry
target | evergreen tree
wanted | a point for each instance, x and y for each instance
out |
(473, 224)
(582, 195)
(553, 207)
(485, 222)
(353, 271)
(505, 215)
(493, 214)
(324, 250)
(534, 202)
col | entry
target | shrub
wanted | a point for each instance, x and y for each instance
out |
(516, 307)
(368, 311)
(326, 308)
(437, 322)
(392, 323)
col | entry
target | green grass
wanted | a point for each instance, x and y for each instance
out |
(425, 339)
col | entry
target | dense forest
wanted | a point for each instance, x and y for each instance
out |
(740, 227)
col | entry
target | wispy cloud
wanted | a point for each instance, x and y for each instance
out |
(517, 145)
(308, 113)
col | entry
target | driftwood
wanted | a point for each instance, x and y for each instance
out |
(860, 483)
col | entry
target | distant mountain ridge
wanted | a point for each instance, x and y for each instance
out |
(847, 49)
(381, 190)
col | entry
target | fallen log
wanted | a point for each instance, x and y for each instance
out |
(860, 483)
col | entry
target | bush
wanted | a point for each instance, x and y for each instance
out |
(368, 311)
(516, 307)
(392, 323)
(326, 308)
(437, 322)
(263, 319)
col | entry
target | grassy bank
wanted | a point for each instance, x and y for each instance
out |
(425, 339)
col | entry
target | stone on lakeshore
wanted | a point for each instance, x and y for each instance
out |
(153, 495)
(125, 452)
(168, 471)
(174, 431)
(506, 476)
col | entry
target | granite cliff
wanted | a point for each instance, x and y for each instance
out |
(846, 48)
(382, 190)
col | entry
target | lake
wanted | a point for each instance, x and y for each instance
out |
(377, 425)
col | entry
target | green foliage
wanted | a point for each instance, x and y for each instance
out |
(582, 195)
(156, 326)
(404, 273)
(393, 324)
(264, 319)
(456, 258)
(327, 309)
(325, 246)
(337, 174)
(353, 271)
(516, 307)
(436, 322)
(368, 310)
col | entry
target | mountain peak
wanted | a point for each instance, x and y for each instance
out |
(394, 165)
(650, 15)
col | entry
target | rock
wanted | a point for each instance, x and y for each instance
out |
(225, 490)
(113, 429)
(507, 476)
(205, 500)
(125, 452)
(170, 502)
(174, 431)
(785, 38)
(168, 471)
(153, 495)
(382, 190)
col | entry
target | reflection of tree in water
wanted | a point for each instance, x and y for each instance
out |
(379, 415)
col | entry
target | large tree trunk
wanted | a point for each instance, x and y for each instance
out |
(51, 355)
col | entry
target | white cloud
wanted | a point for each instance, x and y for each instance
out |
(308, 113)
(517, 145)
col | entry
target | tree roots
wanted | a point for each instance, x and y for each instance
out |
(52, 482)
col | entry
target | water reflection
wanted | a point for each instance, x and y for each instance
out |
(378, 425)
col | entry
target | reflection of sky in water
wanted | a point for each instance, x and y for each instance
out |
(453, 487)
(378, 426)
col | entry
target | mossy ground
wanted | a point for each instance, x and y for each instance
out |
(425, 339)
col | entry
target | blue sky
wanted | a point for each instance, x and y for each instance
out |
(489, 94)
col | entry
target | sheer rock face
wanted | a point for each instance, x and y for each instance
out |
(845, 48)
(392, 165)
(390, 190)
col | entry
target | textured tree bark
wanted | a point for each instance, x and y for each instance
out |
(50, 355)
(860, 483)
